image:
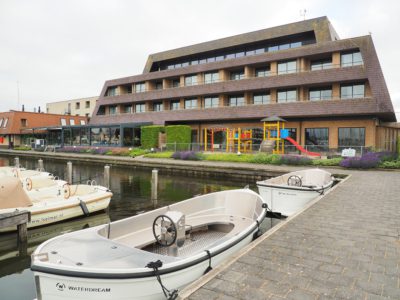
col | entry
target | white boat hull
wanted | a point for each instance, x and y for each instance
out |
(57, 287)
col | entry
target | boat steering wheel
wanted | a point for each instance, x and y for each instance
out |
(294, 180)
(167, 228)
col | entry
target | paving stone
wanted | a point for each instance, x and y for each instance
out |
(392, 292)
(331, 268)
(369, 287)
(349, 293)
(202, 294)
(275, 288)
(300, 294)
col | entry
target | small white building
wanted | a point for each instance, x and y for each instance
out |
(75, 107)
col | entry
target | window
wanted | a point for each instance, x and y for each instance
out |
(1, 121)
(273, 48)
(320, 94)
(87, 104)
(140, 87)
(112, 91)
(24, 122)
(293, 134)
(287, 67)
(317, 138)
(263, 72)
(237, 75)
(236, 100)
(190, 103)
(174, 105)
(261, 98)
(321, 64)
(287, 96)
(63, 122)
(352, 91)
(211, 77)
(140, 108)
(158, 106)
(176, 83)
(210, 102)
(101, 111)
(127, 109)
(83, 122)
(5, 122)
(113, 109)
(351, 137)
(351, 59)
(159, 85)
(72, 122)
(190, 80)
(77, 105)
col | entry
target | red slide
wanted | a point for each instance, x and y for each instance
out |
(300, 148)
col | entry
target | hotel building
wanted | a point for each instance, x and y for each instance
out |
(331, 91)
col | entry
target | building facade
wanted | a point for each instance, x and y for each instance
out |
(331, 91)
(75, 107)
(18, 128)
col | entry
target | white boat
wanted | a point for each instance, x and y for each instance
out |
(289, 193)
(51, 204)
(22, 173)
(151, 255)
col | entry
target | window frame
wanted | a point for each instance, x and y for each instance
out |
(286, 98)
(212, 99)
(141, 106)
(267, 94)
(191, 101)
(237, 103)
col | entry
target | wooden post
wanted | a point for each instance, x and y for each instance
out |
(16, 162)
(40, 165)
(107, 176)
(22, 233)
(154, 184)
(69, 172)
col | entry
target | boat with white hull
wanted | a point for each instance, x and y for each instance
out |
(51, 204)
(289, 193)
(134, 258)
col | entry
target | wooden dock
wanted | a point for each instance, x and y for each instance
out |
(19, 218)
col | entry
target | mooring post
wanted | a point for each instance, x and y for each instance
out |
(154, 184)
(22, 233)
(107, 177)
(69, 172)
(40, 165)
(16, 162)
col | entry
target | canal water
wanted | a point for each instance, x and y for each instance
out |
(132, 195)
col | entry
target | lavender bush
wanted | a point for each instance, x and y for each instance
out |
(367, 160)
(186, 155)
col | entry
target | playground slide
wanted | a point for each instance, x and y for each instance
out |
(300, 148)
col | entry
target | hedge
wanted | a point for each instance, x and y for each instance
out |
(179, 134)
(149, 136)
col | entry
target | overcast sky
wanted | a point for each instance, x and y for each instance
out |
(64, 49)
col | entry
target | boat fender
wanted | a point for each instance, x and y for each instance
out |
(209, 268)
(155, 265)
(84, 208)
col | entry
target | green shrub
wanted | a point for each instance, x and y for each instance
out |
(179, 134)
(398, 146)
(327, 162)
(149, 136)
(228, 157)
(23, 148)
(137, 152)
(394, 164)
(166, 154)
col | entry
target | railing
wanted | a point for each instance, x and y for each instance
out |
(270, 74)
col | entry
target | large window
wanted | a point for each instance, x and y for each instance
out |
(263, 72)
(24, 122)
(100, 136)
(5, 122)
(1, 121)
(140, 87)
(287, 67)
(351, 137)
(350, 91)
(211, 77)
(87, 104)
(174, 105)
(176, 83)
(190, 103)
(236, 100)
(293, 134)
(127, 109)
(263, 98)
(351, 59)
(320, 94)
(317, 139)
(321, 64)
(158, 106)
(112, 91)
(190, 80)
(237, 75)
(140, 108)
(113, 109)
(210, 102)
(287, 96)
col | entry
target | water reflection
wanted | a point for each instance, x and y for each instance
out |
(132, 195)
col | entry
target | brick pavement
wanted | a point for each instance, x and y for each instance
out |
(345, 246)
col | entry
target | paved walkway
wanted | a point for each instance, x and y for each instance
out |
(345, 246)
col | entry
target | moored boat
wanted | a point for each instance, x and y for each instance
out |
(289, 193)
(151, 255)
(51, 204)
